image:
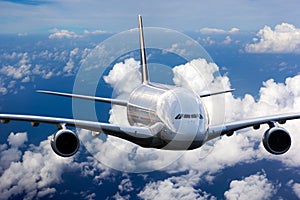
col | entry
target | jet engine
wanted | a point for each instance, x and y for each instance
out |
(277, 140)
(65, 143)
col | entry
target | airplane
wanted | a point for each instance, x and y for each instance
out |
(161, 117)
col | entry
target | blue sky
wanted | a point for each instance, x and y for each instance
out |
(114, 16)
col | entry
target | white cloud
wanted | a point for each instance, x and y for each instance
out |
(69, 66)
(126, 185)
(33, 172)
(95, 32)
(180, 187)
(176, 48)
(296, 189)
(17, 140)
(208, 40)
(3, 89)
(285, 38)
(39, 70)
(227, 40)
(218, 31)
(26, 79)
(125, 76)
(21, 70)
(117, 196)
(58, 34)
(63, 33)
(253, 187)
(68, 69)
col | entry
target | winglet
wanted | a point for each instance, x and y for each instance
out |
(145, 75)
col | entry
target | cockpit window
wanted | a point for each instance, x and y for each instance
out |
(179, 116)
(187, 116)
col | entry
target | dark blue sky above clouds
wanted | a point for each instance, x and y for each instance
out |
(114, 16)
(29, 2)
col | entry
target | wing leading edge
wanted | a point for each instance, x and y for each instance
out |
(78, 96)
(229, 128)
(140, 135)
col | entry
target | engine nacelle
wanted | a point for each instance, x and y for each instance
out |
(65, 143)
(277, 140)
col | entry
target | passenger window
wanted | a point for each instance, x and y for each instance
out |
(186, 116)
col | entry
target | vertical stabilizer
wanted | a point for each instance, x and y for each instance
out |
(145, 75)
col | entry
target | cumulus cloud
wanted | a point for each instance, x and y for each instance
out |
(58, 34)
(253, 187)
(218, 31)
(227, 40)
(285, 38)
(296, 189)
(30, 173)
(21, 70)
(95, 32)
(125, 76)
(63, 33)
(3, 87)
(68, 69)
(208, 40)
(180, 187)
(17, 140)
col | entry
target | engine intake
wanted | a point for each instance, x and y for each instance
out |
(277, 140)
(65, 143)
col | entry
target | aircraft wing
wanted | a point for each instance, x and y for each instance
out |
(229, 128)
(99, 99)
(125, 132)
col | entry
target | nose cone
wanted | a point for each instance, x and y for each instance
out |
(182, 112)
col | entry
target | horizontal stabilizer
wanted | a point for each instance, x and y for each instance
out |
(92, 98)
(216, 93)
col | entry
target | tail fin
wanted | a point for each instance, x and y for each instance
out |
(145, 74)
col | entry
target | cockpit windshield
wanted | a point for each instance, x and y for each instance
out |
(187, 116)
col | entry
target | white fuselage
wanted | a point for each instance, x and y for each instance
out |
(181, 111)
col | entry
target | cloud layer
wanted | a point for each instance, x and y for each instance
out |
(218, 31)
(18, 68)
(63, 33)
(34, 171)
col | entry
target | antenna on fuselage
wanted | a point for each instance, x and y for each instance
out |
(145, 74)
